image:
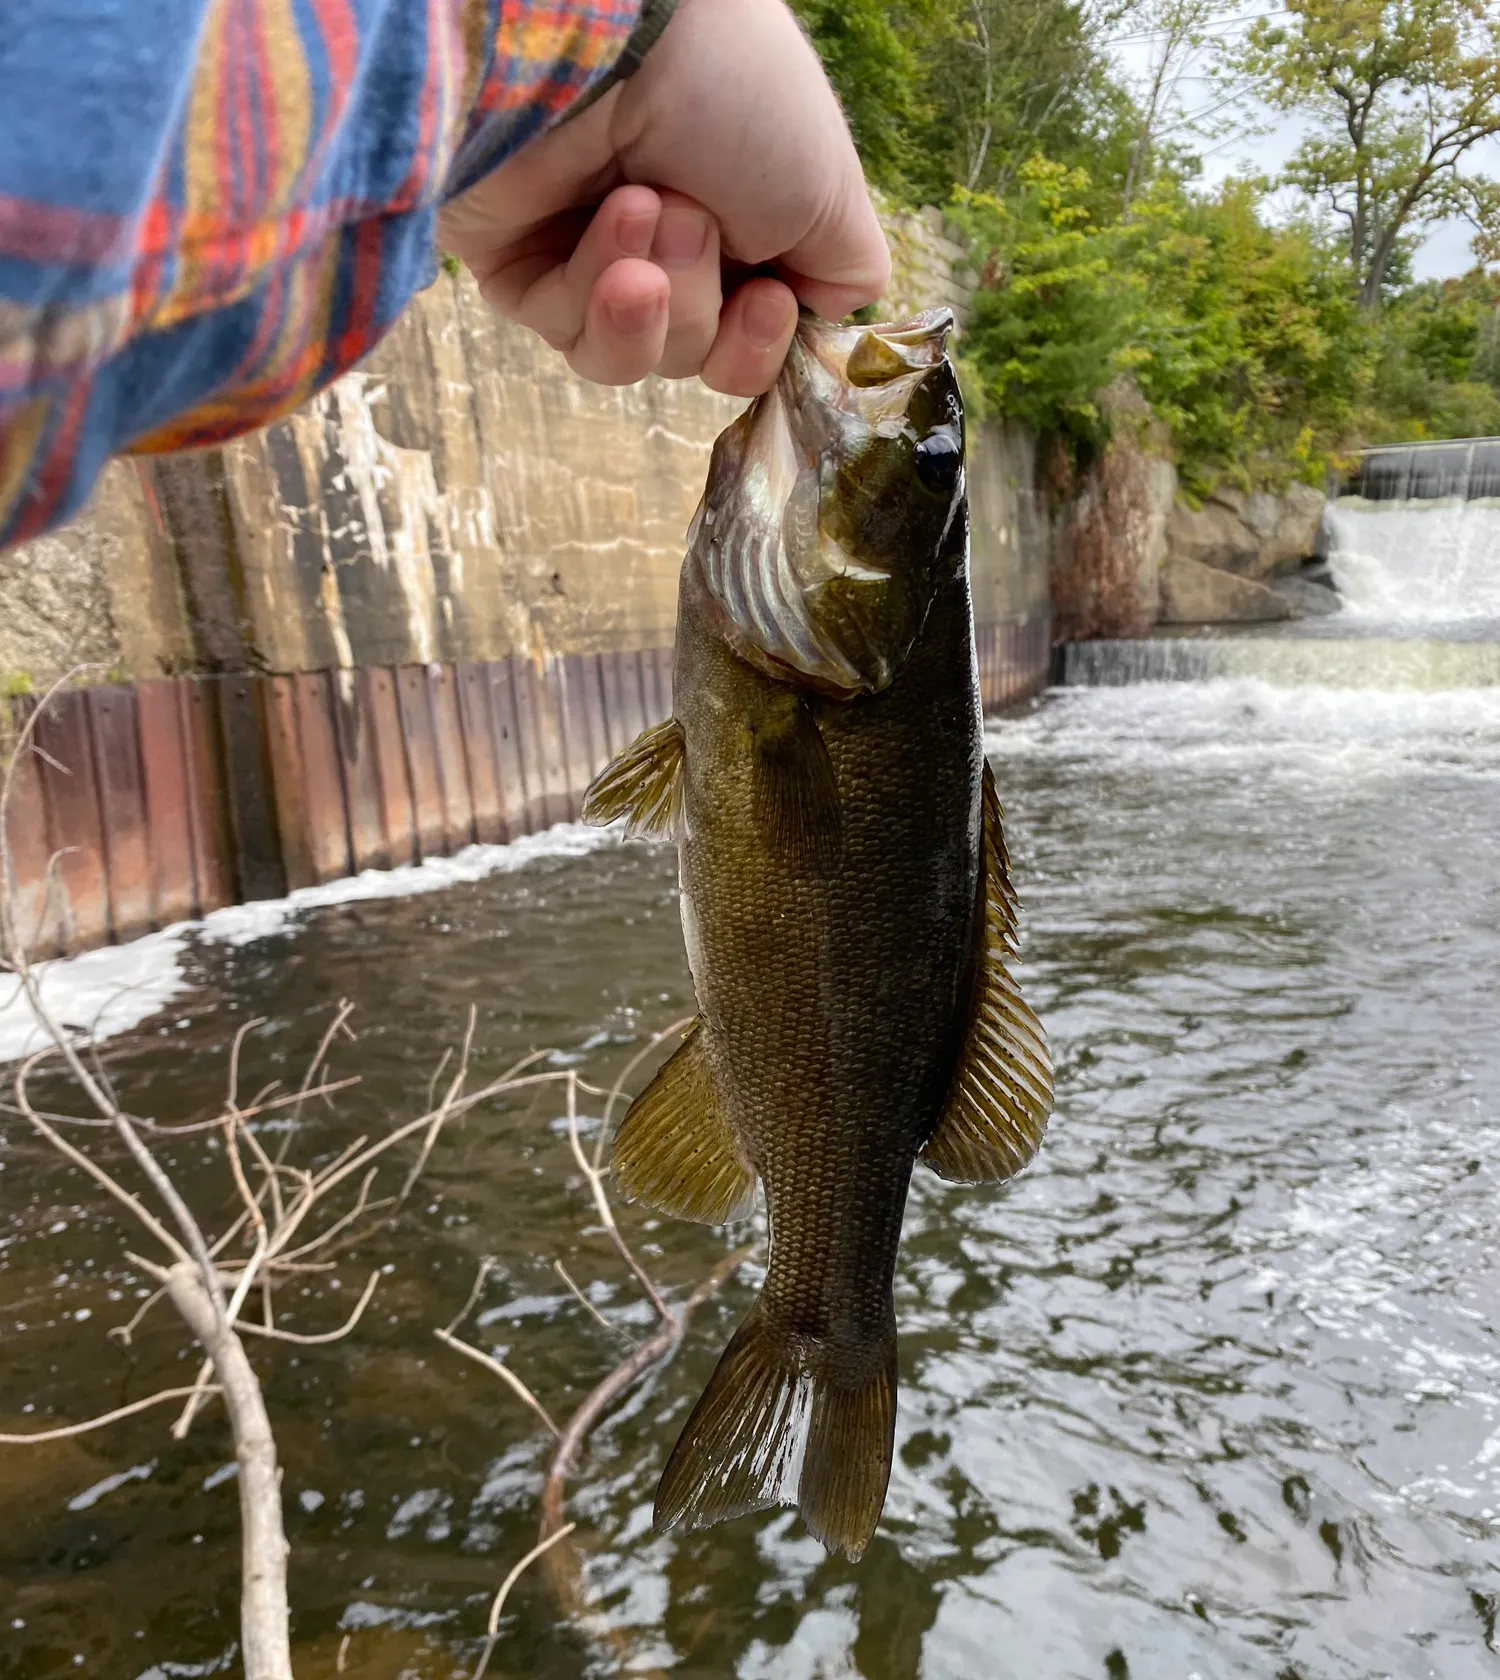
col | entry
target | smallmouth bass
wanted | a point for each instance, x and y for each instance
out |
(846, 904)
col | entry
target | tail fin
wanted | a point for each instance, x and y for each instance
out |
(771, 1429)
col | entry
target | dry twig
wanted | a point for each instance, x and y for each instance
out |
(288, 1220)
(563, 1565)
(493, 1629)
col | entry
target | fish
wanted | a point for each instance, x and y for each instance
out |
(847, 908)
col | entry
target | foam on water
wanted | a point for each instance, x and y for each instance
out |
(109, 991)
(1252, 725)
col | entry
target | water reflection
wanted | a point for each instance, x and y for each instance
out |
(1215, 1390)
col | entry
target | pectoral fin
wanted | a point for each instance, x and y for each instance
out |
(1002, 1090)
(675, 1151)
(643, 785)
(795, 793)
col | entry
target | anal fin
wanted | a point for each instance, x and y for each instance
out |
(1001, 1094)
(643, 785)
(675, 1150)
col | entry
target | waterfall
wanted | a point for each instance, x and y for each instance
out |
(1427, 561)
(1414, 547)
(1289, 659)
(1416, 538)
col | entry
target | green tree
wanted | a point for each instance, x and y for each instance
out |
(866, 48)
(941, 93)
(1243, 338)
(1437, 371)
(1399, 93)
(1009, 78)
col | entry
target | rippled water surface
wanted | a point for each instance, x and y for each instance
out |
(1213, 1391)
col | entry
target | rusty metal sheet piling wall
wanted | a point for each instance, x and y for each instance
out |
(149, 803)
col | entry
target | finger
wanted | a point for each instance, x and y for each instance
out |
(553, 297)
(734, 67)
(755, 333)
(686, 249)
(844, 263)
(625, 325)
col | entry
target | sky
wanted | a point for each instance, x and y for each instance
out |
(1261, 141)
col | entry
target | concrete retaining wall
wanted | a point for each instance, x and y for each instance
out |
(422, 611)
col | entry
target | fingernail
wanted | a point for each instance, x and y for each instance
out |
(633, 319)
(765, 319)
(635, 234)
(681, 236)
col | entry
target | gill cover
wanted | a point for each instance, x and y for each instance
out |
(831, 510)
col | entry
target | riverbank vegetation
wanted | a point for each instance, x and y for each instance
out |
(1271, 321)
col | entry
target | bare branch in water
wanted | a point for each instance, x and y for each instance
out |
(595, 1178)
(493, 1629)
(67, 1431)
(562, 1563)
(285, 1221)
(324, 1336)
(505, 1374)
(588, 1306)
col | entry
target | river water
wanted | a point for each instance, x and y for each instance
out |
(1213, 1391)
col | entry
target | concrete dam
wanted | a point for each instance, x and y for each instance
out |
(1412, 545)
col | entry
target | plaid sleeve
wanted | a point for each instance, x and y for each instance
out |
(209, 209)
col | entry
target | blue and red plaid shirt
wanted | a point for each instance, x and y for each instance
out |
(211, 208)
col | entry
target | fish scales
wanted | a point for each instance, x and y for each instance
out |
(846, 907)
(836, 1071)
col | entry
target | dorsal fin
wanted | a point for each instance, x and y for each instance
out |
(1002, 1088)
(643, 785)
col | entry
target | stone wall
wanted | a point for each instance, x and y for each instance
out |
(422, 612)
(461, 496)
(103, 591)
(1010, 527)
(929, 263)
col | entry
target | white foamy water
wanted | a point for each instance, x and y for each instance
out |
(1423, 562)
(109, 991)
(1255, 727)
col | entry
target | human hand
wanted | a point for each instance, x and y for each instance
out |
(624, 236)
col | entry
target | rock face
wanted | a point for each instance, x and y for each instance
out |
(1193, 593)
(1227, 561)
(1110, 538)
(102, 591)
(461, 496)
(1308, 597)
(1252, 535)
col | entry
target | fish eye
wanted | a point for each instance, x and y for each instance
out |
(938, 459)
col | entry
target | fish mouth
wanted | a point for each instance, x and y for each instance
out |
(796, 599)
(868, 371)
(866, 356)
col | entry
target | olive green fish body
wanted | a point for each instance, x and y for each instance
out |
(846, 907)
(830, 1001)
